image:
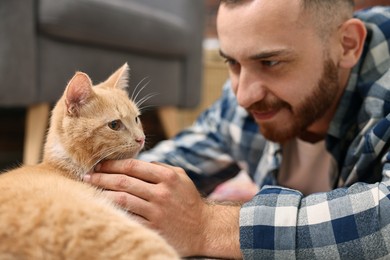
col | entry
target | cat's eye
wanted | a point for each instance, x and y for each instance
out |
(137, 120)
(115, 125)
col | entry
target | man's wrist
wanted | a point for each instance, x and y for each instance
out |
(221, 235)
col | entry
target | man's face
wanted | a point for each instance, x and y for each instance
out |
(279, 68)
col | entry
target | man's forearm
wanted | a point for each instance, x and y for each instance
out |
(222, 235)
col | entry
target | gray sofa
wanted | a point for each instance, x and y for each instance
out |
(43, 42)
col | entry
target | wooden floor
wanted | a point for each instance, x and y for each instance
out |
(12, 135)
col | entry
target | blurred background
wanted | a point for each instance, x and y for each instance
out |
(172, 43)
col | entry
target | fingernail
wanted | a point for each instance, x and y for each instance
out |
(87, 178)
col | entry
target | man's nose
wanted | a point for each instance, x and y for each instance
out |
(250, 89)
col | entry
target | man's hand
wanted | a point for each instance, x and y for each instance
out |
(165, 199)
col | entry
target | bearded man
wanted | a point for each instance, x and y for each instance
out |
(306, 114)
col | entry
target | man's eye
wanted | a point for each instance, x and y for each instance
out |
(270, 63)
(230, 62)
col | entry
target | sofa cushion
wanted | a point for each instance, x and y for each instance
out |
(119, 24)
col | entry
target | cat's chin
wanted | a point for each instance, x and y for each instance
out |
(121, 156)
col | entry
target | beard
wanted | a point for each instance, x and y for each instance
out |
(307, 112)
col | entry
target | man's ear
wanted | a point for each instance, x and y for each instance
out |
(352, 37)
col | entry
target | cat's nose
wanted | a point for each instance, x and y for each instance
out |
(140, 140)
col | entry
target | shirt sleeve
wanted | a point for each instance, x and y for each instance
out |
(346, 223)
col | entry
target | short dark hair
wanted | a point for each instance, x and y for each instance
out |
(327, 3)
(326, 14)
(305, 2)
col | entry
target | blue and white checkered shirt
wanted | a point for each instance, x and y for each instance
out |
(349, 222)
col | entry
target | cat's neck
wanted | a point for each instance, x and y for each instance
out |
(56, 156)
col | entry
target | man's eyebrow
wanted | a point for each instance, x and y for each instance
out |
(263, 55)
(271, 54)
(223, 55)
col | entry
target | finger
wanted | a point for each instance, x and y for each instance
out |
(122, 183)
(129, 203)
(171, 173)
(139, 169)
(174, 168)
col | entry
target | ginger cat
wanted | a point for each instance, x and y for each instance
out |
(46, 212)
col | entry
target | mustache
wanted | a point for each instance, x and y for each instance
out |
(268, 105)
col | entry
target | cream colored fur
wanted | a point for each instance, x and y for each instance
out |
(46, 212)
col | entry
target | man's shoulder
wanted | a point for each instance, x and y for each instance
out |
(379, 15)
(373, 70)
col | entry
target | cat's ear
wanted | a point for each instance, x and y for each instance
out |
(119, 79)
(77, 93)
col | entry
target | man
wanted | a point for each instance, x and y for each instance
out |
(309, 84)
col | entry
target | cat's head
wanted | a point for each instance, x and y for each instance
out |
(93, 123)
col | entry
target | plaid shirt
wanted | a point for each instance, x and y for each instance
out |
(349, 222)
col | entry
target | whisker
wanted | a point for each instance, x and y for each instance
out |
(101, 157)
(146, 108)
(102, 154)
(140, 90)
(136, 87)
(145, 98)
